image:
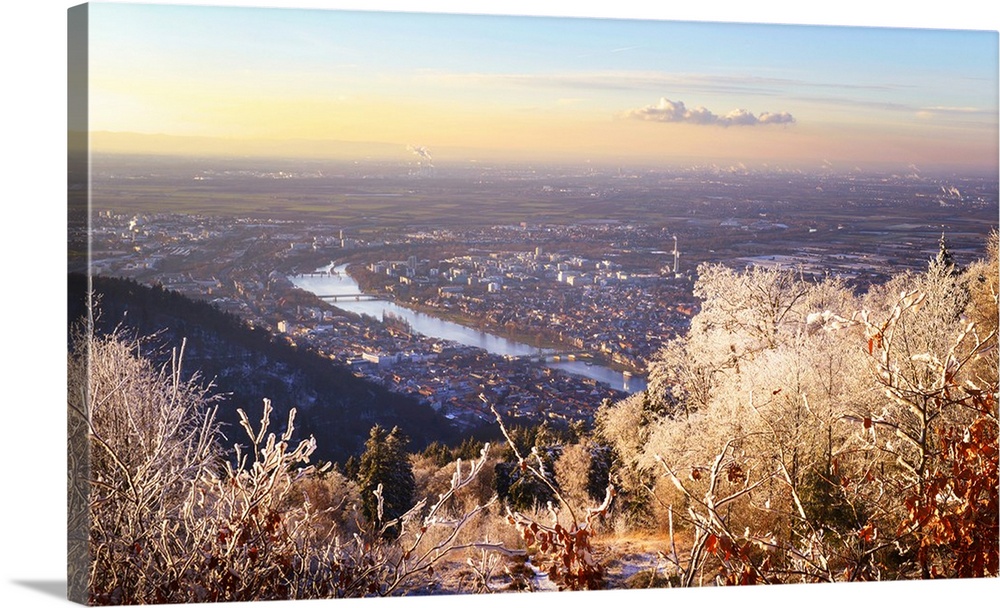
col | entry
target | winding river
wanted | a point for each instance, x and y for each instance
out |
(325, 283)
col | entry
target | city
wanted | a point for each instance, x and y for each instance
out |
(576, 300)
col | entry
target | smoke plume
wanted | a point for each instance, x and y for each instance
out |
(423, 153)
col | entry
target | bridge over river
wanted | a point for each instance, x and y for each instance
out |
(557, 356)
(352, 297)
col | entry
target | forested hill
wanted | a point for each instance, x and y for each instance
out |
(246, 365)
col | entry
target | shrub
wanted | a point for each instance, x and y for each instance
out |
(171, 518)
(561, 546)
(152, 450)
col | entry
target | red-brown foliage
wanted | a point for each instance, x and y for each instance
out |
(955, 512)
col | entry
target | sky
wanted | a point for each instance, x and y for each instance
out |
(577, 89)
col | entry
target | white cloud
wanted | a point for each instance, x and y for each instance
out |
(776, 118)
(676, 111)
(938, 111)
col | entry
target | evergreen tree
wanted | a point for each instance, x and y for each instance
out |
(438, 453)
(351, 468)
(385, 462)
(944, 262)
(469, 449)
(518, 487)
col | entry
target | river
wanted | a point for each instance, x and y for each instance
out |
(338, 282)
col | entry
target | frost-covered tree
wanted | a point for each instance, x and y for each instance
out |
(582, 473)
(757, 374)
(742, 314)
(756, 305)
(944, 258)
(625, 427)
(929, 325)
(980, 281)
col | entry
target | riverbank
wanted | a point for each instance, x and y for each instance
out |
(434, 323)
(521, 336)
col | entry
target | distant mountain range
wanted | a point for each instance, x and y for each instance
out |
(107, 141)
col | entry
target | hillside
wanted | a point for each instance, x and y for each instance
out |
(247, 365)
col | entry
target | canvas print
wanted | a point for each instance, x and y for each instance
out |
(384, 303)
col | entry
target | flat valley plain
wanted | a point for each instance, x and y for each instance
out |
(889, 221)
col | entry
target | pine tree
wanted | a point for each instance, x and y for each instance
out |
(351, 468)
(386, 463)
(944, 261)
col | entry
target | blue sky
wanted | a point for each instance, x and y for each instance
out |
(566, 87)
